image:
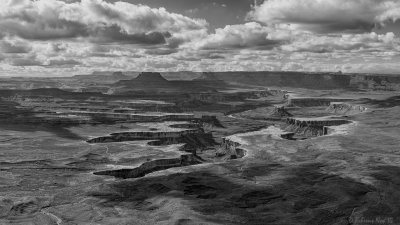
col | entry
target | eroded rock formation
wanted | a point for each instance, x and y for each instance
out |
(193, 139)
(311, 127)
(279, 111)
(345, 108)
(231, 149)
(152, 166)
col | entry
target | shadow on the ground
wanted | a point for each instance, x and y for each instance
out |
(17, 119)
(305, 195)
(386, 103)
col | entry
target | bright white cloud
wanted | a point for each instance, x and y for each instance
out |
(328, 15)
(240, 36)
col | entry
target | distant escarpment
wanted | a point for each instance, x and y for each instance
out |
(375, 82)
(312, 127)
(151, 81)
(317, 81)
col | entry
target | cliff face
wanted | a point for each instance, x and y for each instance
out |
(193, 140)
(152, 166)
(312, 102)
(312, 127)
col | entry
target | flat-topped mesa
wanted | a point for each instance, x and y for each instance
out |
(345, 108)
(313, 101)
(150, 77)
(145, 79)
(311, 127)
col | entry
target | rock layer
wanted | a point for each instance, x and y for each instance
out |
(311, 127)
(152, 166)
(312, 102)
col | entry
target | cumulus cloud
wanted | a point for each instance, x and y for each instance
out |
(314, 35)
(240, 36)
(96, 20)
(326, 16)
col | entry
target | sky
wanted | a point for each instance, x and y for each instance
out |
(68, 37)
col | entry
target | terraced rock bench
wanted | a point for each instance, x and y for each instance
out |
(152, 166)
(313, 126)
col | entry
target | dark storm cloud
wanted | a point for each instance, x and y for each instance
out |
(30, 61)
(7, 46)
(113, 34)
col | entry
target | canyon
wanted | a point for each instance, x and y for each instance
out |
(114, 148)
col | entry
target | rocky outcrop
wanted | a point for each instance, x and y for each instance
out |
(312, 127)
(210, 121)
(345, 108)
(280, 112)
(152, 166)
(231, 149)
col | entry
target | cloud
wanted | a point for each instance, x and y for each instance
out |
(343, 43)
(62, 62)
(240, 36)
(14, 46)
(93, 20)
(326, 16)
(25, 61)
